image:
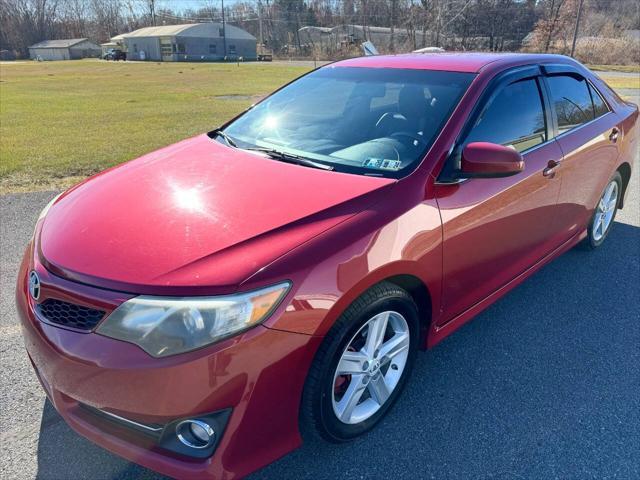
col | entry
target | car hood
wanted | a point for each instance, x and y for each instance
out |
(194, 217)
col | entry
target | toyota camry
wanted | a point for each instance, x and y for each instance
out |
(202, 309)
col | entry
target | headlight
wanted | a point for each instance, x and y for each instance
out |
(164, 326)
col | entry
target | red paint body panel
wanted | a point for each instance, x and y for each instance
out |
(161, 220)
(261, 387)
(494, 229)
(199, 218)
(450, 62)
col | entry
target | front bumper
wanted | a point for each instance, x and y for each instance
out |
(259, 375)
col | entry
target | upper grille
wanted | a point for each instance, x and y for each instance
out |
(69, 314)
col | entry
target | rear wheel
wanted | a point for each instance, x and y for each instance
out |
(362, 365)
(604, 214)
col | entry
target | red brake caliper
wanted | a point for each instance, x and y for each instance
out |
(342, 382)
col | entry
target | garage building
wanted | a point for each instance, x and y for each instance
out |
(191, 42)
(66, 49)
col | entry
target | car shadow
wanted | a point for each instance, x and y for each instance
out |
(542, 384)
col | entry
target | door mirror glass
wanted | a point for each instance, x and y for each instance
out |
(490, 160)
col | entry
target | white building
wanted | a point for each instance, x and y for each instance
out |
(66, 49)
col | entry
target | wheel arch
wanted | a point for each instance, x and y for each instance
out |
(421, 295)
(415, 286)
(625, 173)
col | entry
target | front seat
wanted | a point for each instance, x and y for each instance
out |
(413, 105)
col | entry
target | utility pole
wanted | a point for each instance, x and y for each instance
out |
(224, 34)
(392, 46)
(575, 31)
(152, 11)
(261, 39)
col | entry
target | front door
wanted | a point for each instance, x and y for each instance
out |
(496, 228)
(166, 49)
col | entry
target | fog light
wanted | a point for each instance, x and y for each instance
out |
(195, 434)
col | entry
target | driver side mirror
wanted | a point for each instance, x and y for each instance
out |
(489, 160)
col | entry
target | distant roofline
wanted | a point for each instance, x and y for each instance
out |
(74, 41)
(177, 30)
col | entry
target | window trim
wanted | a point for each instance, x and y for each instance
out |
(449, 172)
(593, 88)
(579, 127)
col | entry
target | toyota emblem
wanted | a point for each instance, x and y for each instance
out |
(34, 285)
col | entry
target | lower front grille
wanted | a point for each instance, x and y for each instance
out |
(69, 314)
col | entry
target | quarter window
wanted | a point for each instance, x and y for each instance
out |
(599, 107)
(572, 101)
(514, 117)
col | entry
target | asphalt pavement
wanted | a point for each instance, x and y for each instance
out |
(543, 384)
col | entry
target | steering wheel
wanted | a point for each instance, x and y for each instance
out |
(413, 136)
(388, 117)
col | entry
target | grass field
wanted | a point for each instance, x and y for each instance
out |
(616, 68)
(63, 121)
(618, 83)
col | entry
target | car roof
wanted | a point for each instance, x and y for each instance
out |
(469, 62)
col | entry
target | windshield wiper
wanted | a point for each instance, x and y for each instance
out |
(230, 141)
(289, 158)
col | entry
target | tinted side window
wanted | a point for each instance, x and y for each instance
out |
(599, 107)
(571, 100)
(514, 117)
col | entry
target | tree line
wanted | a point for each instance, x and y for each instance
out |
(493, 25)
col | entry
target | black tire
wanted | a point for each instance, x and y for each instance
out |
(590, 243)
(317, 417)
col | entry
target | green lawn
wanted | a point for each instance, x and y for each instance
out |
(62, 121)
(616, 68)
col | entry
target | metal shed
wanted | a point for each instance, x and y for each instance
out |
(66, 49)
(191, 42)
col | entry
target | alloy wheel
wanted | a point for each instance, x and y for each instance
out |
(605, 211)
(370, 367)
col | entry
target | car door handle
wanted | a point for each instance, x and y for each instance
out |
(613, 136)
(551, 168)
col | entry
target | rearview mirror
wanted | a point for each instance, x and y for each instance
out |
(489, 160)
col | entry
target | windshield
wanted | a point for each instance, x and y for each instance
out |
(371, 121)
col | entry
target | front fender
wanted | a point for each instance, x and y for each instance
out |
(332, 270)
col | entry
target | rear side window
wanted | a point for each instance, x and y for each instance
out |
(599, 107)
(514, 117)
(571, 100)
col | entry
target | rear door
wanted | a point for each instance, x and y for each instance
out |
(495, 228)
(588, 135)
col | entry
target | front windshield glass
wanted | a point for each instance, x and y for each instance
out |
(370, 121)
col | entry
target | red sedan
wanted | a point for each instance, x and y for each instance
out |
(202, 308)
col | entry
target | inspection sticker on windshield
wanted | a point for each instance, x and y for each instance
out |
(382, 164)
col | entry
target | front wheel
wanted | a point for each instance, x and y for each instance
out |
(604, 214)
(362, 365)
